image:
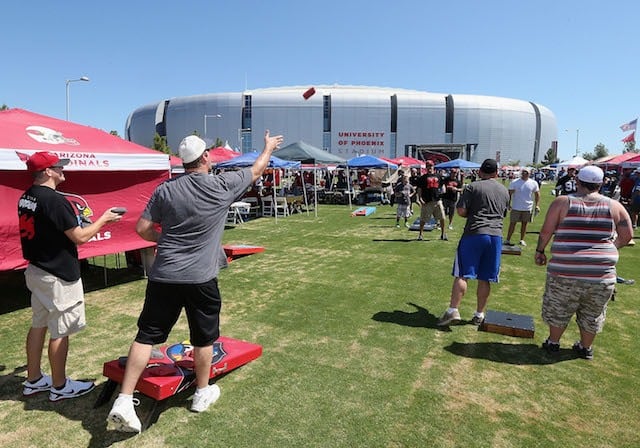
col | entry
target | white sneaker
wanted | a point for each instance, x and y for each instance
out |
(523, 243)
(450, 226)
(71, 389)
(123, 415)
(42, 385)
(202, 399)
(449, 318)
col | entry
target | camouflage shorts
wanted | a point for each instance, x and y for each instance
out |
(564, 297)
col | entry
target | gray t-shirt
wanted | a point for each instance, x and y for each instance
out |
(192, 211)
(487, 203)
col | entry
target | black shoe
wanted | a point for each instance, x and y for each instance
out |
(583, 352)
(551, 347)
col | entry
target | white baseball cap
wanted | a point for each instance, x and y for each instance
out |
(191, 148)
(591, 174)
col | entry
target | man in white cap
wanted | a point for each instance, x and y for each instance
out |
(191, 210)
(50, 231)
(587, 230)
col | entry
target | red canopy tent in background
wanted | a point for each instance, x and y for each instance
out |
(221, 154)
(408, 161)
(615, 160)
(632, 163)
(105, 171)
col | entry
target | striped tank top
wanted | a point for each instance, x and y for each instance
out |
(583, 246)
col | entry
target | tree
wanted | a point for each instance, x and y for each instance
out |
(4, 107)
(630, 146)
(114, 133)
(598, 151)
(160, 144)
(550, 157)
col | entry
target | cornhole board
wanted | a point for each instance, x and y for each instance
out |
(511, 250)
(519, 325)
(171, 370)
(428, 227)
(363, 211)
(234, 251)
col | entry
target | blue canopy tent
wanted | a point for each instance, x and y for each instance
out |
(249, 159)
(367, 161)
(458, 163)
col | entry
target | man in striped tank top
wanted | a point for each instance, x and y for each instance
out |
(587, 229)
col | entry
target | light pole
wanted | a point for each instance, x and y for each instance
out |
(205, 121)
(577, 138)
(69, 81)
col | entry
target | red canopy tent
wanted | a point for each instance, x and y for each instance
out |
(617, 159)
(221, 154)
(409, 161)
(633, 162)
(105, 171)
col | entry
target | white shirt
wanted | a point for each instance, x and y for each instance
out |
(523, 193)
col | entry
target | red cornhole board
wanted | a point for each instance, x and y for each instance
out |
(234, 251)
(173, 373)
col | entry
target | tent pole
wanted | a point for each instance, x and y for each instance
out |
(315, 191)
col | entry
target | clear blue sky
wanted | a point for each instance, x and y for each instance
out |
(578, 58)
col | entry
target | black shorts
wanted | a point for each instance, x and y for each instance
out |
(449, 207)
(163, 304)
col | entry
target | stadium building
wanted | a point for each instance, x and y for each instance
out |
(352, 120)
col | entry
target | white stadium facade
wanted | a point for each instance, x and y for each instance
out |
(352, 120)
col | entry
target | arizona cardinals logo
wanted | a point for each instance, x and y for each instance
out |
(50, 136)
(180, 351)
(81, 207)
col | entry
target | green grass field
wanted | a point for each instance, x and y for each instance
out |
(345, 309)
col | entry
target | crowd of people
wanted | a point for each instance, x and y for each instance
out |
(587, 227)
(583, 227)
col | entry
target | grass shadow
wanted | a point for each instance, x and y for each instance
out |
(16, 296)
(519, 354)
(421, 318)
(398, 240)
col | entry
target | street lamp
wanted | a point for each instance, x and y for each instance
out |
(69, 81)
(205, 121)
(577, 138)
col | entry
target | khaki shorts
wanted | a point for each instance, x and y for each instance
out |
(564, 297)
(55, 303)
(520, 216)
(429, 209)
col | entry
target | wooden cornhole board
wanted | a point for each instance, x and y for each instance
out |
(171, 370)
(511, 250)
(519, 325)
(234, 251)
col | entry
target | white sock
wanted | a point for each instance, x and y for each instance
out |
(126, 396)
(477, 314)
(451, 310)
(201, 390)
